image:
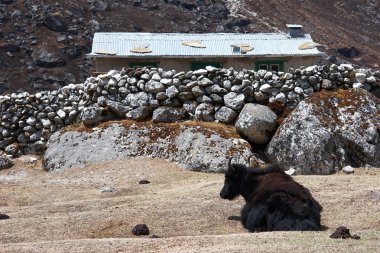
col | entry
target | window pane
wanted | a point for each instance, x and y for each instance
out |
(275, 67)
(263, 66)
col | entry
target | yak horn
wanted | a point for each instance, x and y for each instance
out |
(230, 166)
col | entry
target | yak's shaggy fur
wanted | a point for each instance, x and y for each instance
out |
(274, 201)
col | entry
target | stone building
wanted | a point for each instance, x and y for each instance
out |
(185, 51)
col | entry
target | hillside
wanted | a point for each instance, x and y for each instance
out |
(43, 43)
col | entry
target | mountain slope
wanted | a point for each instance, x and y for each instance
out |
(43, 43)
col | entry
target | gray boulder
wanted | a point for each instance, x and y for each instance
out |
(234, 100)
(118, 108)
(256, 123)
(48, 58)
(204, 112)
(225, 115)
(168, 114)
(136, 99)
(329, 131)
(140, 113)
(91, 115)
(196, 148)
(55, 23)
(5, 162)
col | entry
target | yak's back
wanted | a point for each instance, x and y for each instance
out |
(279, 182)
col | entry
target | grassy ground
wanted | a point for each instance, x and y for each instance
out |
(68, 212)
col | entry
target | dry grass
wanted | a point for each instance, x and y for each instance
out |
(226, 131)
(66, 212)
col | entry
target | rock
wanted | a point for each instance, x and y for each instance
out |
(350, 52)
(327, 84)
(194, 147)
(166, 81)
(190, 107)
(140, 229)
(9, 47)
(168, 114)
(137, 99)
(348, 170)
(168, 74)
(140, 113)
(288, 76)
(91, 115)
(154, 86)
(144, 181)
(205, 82)
(48, 58)
(55, 23)
(326, 131)
(265, 88)
(360, 77)
(73, 52)
(172, 92)
(13, 149)
(4, 216)
(234, 100)
(118, 108)
(225, 115)
(107, 190)
(204, 112)
(256, 123)
(200, 72)
(5, 162)
(102, 5)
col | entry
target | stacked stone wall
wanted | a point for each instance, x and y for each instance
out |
(28, 120)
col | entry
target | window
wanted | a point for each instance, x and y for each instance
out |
(275, 67)
(202, 64)
(144, 64)
(270, 65)
(263, 66)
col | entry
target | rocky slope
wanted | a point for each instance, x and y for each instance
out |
(43, 43)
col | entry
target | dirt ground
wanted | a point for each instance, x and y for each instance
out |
(94, 209)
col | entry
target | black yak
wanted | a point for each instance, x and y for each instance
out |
(274, 201)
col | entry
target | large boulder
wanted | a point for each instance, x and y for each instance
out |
(256, 123)
(55, 23)
(195, 147)
(328, 131)
(48, 57)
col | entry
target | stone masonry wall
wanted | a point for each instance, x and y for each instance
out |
(28, 120)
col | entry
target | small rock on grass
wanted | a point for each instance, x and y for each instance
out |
(4, 216)
(144, 181)
(140, 229)
(348, 170)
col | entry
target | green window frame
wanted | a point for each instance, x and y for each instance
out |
(144, 64)
(203, 64)
(270, 65)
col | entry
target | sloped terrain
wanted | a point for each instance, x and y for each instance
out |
(94, 208)
(43, 43)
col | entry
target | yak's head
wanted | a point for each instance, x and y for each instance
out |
(233, 181)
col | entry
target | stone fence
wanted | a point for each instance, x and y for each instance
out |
(211, 94)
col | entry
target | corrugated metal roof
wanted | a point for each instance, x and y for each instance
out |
(217, 44)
